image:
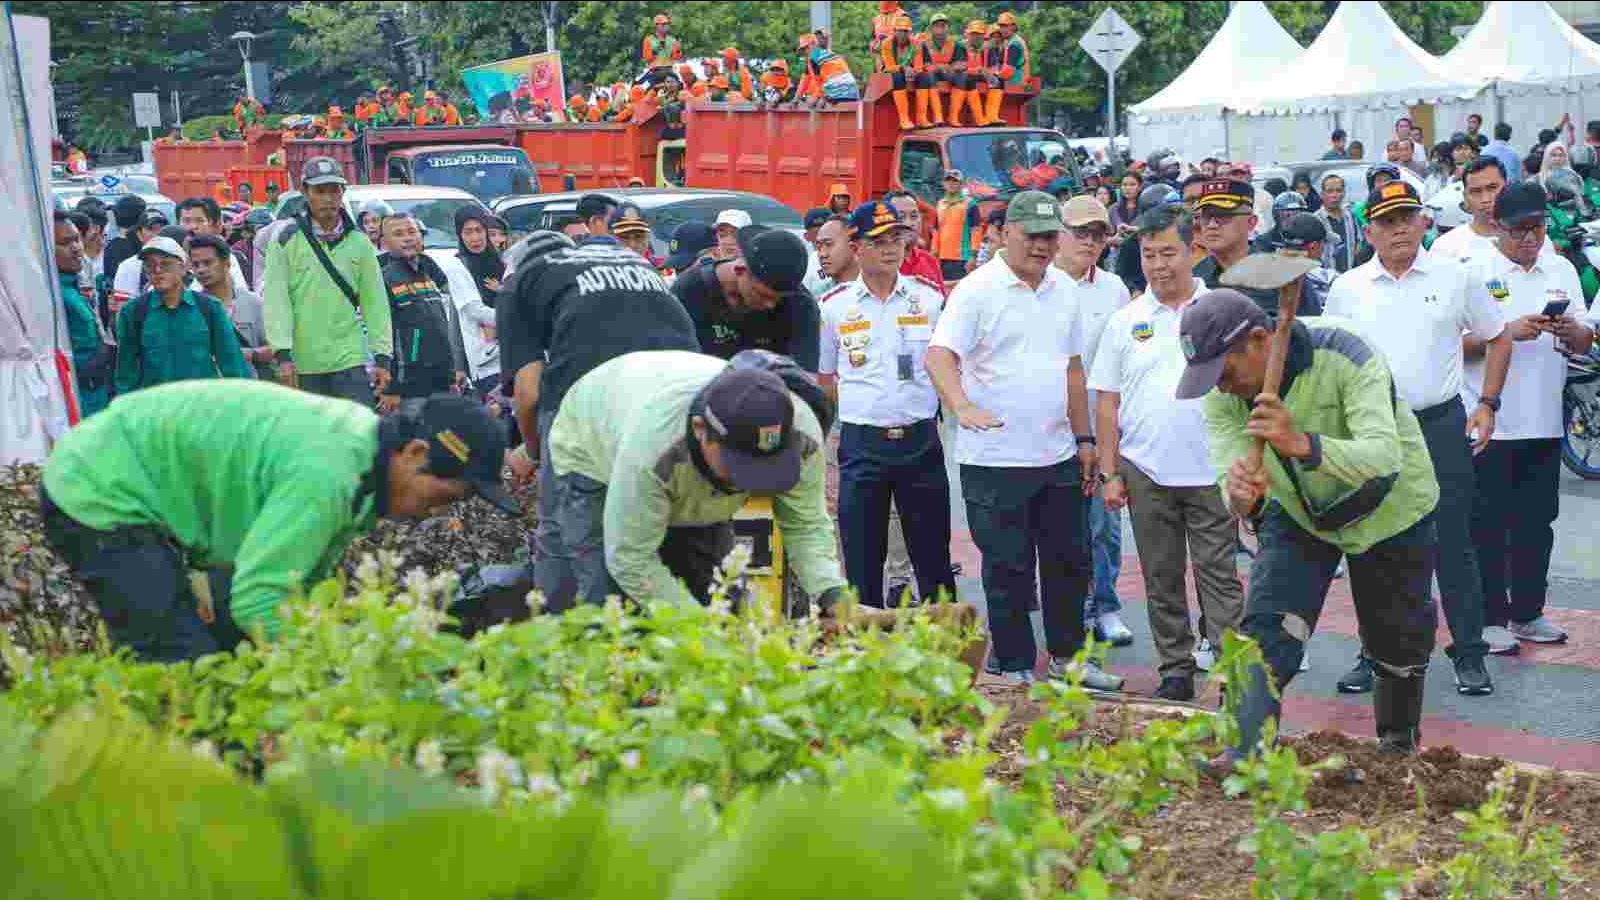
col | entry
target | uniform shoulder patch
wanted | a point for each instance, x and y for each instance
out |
(834, 291)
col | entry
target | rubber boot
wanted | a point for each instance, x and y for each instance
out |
(1397, 707)
(938, 106)
(996, 95)
(1256, 706)
(902, 105)
(958, 99)
(922, 109)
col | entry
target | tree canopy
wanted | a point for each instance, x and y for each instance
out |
(328, 52)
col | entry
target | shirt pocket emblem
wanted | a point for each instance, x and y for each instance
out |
(1497, 289)
(1143, 332)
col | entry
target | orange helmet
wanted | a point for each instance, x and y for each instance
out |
(730, 53)
(977, 26)
(888, 7)
(807, 40)
(902, 23)
(636, 93)
(685, 73)
(429, 95)
(780, 65)
(1006, 18)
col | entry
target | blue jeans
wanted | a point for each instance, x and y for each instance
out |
(1028, 522)
(1105, 544)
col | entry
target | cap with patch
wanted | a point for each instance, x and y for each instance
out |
(775, 257)
(1302, 230)
(1210, 327)
(628, 220)
(1235, 198)
(816, 218)
(873, 219)
(1085, 210)
(689, 240)
(1036, 211)
(1396, 196)
(1520, 204)
(465, 442)
(749, 412)
(738, 218)
(164, 246)
(952, 175)
(322, 170)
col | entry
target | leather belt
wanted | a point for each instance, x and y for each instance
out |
(894, 433)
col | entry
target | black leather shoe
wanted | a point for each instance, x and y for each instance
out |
(1472, 678)
(1358, 680)
(1175, 687)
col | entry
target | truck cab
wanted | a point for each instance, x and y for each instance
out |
(995, 163)
(484, 171)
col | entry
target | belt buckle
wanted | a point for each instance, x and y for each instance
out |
(894, 434)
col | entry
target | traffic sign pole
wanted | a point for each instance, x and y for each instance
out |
(1111, 115)
(1109, 41)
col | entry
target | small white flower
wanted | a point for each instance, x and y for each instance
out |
(541, 784)
(430, 757)
(630, 760)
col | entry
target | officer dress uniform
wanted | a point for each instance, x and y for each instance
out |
(889, 446)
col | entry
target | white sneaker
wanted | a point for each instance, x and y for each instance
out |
(1109, 627)
(1342, 569)
(1016, 679)
(1500, 640)
(1094, 678)
(1205, 655)
(1540, 631)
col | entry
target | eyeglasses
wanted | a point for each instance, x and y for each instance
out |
(1095, 233)
(1527, 232)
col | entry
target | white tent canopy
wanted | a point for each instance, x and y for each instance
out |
(1247, 50)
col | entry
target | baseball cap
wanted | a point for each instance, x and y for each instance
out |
(627, 220)
(738, 218)
(1520, 203)
(952, 175)
(154, 218)
(1393, 197)
(164, 246)
(1085, 210)
(689, 240)
(1235, 198)
(751, 415)
(322, 170)
(465, 442)
(1385, 168)
(1036, 211)
(837, 189)
(1212, 324)
(776, 258)
(874, 218)
(816, 218)
(1301, 230)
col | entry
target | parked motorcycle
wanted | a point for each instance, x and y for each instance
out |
(1580, 412)
(1574, 226)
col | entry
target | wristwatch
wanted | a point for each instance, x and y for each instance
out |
(1492, 402)
(1107, 479)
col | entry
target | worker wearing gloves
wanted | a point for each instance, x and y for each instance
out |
(1346, 473)
(258, 486)
(897, 57)
(654, 453)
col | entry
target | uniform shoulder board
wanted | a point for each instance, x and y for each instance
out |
(928, 283)
(834, 292)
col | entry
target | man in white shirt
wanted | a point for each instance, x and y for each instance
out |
(1414, 306)
(1485, 178)
(1007, 359)
(1154, 457)
(1519, 475)
(202, 215)
(1099, 294)
(875, 335)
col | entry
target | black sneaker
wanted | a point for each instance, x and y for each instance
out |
(1361, 679)
(1175, 687)
(1472, 678)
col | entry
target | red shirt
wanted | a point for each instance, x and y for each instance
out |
(924, 264)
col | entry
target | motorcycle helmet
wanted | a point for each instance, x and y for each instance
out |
(1285, 206)
(1582, 160)
(1157, 195)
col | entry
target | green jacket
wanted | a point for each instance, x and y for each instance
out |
(255, 477)
(1338, 388)
(94, 390)
(625, 425)
(309, 319)
(194, 339)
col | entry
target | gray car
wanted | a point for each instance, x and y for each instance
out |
(664, 208)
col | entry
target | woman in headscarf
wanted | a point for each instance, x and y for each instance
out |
(1556, 157)
(477, 253)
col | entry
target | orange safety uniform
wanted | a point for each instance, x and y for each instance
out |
(452, 116)
(958, 231)
(659, 53)
(883, 27)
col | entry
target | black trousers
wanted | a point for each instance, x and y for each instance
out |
(906, 465)
(1444, 428)
(1519, 497)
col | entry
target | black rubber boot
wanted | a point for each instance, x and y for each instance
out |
(1397, 706)
(1256, 706)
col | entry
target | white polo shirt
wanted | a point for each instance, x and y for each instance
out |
(1100, 294)
(862, 340)
(1015, 344)
(1141, 360)
(1467, 246)
(1530, 405)
(1417, 321)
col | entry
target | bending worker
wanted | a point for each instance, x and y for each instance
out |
(260, 486)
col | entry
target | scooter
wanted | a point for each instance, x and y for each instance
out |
(1575, 230)
(1580, 414)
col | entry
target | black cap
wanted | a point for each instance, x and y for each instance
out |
(1235, 198)
(689, 240)
(1302, 230)
(1392, 197)
(775, 257)
(1519, 203)
(751, 415)
(465, 442)
(1383, 168)
(816, 217)
(1212, 324)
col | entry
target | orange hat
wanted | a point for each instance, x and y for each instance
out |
(685, 73)
(636, 93)
(405, 95)
(780, 65)
(1006, 18)
(888, 7)
(838, 190)
(994, 30)
(902, 23)
(807, 40)
(977, 26)
(430, 95)
(663, 19)
(720, 82)
(730, 53)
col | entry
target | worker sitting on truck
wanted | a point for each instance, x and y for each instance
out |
(403, 108)
(391, 110)
(940, 59)
(896, 58)
(661, 49)
(738, 73)
(776, 87)
(978, 74)
(431, 112)
(365, 111)
(1015, 66)
(336, 129)
(578, 108)
(828, 71)
(248, 113)
(720, 92)
(883, 30)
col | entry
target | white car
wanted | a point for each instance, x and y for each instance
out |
(434, 207)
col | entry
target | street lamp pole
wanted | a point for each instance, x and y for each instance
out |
(245, 39)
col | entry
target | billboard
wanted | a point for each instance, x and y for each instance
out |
(504, 91)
